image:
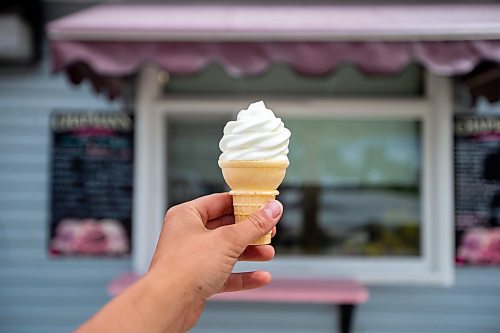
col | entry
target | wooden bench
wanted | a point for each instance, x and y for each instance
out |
(346, 294)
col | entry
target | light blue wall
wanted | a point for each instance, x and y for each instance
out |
(38, 294)
(42, 295)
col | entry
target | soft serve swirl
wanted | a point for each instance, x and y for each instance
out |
(255, 135)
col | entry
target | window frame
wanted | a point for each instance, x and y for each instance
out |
(434, 110)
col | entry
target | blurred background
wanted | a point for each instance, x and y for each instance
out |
(362, 187)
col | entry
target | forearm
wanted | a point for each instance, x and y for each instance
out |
(153, 304)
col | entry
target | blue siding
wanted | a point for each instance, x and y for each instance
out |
(38, 294)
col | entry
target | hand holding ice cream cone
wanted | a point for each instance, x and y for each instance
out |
(254, 160)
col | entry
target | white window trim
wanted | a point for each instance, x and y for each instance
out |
(434, 109)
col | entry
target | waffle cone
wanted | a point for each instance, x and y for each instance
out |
(253, 183)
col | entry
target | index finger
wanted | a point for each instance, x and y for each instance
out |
(213, 206)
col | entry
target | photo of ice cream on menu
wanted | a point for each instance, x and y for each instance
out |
(254, 160)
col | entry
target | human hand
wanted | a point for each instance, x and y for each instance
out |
(200, 244)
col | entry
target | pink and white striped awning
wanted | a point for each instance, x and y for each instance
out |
(115, 40)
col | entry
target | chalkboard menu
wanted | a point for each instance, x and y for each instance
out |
(91, 184)
(477, 189)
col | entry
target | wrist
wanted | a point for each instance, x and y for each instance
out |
(174, 298)
(172, 285)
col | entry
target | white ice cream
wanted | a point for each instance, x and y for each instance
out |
(255, 135)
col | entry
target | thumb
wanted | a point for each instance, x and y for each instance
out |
(258, 224)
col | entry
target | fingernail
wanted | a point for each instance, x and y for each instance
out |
(272, 209)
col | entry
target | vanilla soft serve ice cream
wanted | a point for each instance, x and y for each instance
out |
(254, 160)
(256, 135)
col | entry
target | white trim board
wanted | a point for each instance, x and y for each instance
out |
(434, 110)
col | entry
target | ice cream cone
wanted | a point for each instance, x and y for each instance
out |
(253, 183)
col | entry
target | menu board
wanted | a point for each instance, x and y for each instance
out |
(91, 184)
(477, 189)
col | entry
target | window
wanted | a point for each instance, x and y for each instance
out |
(352, 189)
(367, 195)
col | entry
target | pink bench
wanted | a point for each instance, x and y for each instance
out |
(347, 294)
